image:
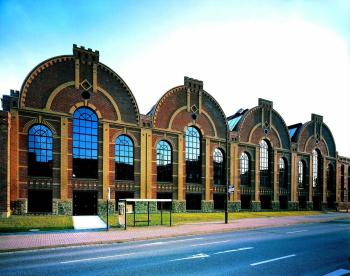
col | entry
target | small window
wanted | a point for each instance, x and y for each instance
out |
(316, 170)
(301, 175)
(40, 151)
(219, 168)
(124, 158)
(164, 162)
(244, 169)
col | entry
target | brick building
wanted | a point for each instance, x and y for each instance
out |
(74, 130)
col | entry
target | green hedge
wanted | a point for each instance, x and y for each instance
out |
(234, 206)
(275, 205)
(255, 206)
(207, 206)
(293, 206)
(309, 205)
(179, 206)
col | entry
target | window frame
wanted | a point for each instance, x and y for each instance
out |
(193, 155)
(164, 172)
(124, 170)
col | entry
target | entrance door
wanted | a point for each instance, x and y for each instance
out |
(84, 203)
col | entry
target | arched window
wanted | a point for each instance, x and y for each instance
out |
(330, 176)
(283, 173)
(301, 175)
(264, 164)
(193, 155)
(164, 162)
(316, 170)
(219, 168)
(85, 141)
(244, 168)
(40, 151)
(342, 184)
(124, 158)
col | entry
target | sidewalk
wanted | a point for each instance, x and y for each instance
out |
(56, 239)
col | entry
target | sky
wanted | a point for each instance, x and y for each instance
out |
(295, 53)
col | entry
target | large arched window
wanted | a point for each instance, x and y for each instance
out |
(164, 162)
(124, 158)
(283, 173)
(316, 170)
(301, 175)
(40, 151)
(219, 168)
(85, 141)
(244, 169)
(193, 155)
(264, 164)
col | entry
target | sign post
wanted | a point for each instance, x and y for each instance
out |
(108, 198)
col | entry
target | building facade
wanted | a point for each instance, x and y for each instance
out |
(74, 131)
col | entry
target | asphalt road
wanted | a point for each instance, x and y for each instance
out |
(308, 249)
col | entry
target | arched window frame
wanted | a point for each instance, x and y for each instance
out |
(265, 166)
(124, 158)
(40, 151)
(283, 173)
(330, 178)
(316, 169)
(193, 155)
(85, 143)
(164, 162)
(301, 175)
(219, 166)
(244, 169)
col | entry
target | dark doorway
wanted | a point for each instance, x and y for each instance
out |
(302, 202)
(331, 201)
(265, 202)
(84, 203)
(39, 201)
(166, 205)
(317, 203)
(283, 202)
(193, 201)
(219, 201)
(245, 201)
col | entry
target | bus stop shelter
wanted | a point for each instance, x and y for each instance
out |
(124, 209)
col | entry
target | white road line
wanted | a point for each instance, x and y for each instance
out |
(298, 231)
(272, 260)
(338, 272)
(208, 243)
(233, 250)
(165, 242)
(97, 258)
(197, 256)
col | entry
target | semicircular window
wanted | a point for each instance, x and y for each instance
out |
(40, 151)
(193, 155)
(164, 163)
(124, 158)
(85, 141)
(219, 168)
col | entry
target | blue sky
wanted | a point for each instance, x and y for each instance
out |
(279, 50)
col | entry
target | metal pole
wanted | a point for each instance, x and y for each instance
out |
(107, 215)
(227, 179)
(171, 208)
(148, 211)
(125, 215)
(161, 213)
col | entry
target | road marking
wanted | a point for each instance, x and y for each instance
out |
(197, 256)
(338, 272)
(165, 242)
(298, 231)
(272, 260)
(97, 258)
(233, 250)
(208, 243)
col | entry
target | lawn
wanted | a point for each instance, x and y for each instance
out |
(25, 223)
(182, 218)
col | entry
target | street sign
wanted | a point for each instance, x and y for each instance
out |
(231, 189)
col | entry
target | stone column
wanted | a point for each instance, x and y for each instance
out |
(180, 178)
(207, 170)
(105, 160)
(64, 158)
(275, 176)
(257, 174)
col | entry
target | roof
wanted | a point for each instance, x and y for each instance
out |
(234, 119)
(293, 131)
